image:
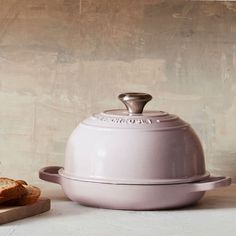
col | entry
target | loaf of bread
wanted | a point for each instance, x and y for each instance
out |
(17, 192)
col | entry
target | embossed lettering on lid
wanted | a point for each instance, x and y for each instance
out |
(134, 116)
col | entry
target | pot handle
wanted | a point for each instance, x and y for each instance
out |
(211, 183)
(50, 174)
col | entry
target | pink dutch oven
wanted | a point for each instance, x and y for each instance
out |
(134, 159)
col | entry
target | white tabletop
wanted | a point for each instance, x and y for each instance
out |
(215, 214)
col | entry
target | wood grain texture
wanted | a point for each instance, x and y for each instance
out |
(9, 214)
(60, 61)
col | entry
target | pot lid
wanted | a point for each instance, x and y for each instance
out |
(134, 116)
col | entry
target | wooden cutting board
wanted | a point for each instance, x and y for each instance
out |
(9, 214)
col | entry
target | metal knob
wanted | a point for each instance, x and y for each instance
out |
(135, 102)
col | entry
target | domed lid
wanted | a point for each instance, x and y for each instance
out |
(134, 117)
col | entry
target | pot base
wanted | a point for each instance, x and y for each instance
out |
(133, 196)
(129, 197)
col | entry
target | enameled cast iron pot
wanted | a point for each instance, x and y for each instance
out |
(130, 159)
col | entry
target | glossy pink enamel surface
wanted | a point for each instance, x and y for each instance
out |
(141, 156)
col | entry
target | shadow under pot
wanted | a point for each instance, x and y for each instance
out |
(135, 160)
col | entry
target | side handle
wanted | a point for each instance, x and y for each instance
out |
(211, 183)
(50, 174)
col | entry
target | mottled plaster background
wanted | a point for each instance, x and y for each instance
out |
(60, 61)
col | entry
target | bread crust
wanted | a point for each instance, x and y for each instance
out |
(20, 181)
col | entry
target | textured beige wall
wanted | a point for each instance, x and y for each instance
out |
(62, 60)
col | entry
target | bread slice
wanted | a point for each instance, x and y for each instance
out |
(31, 197)
(9, 189)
